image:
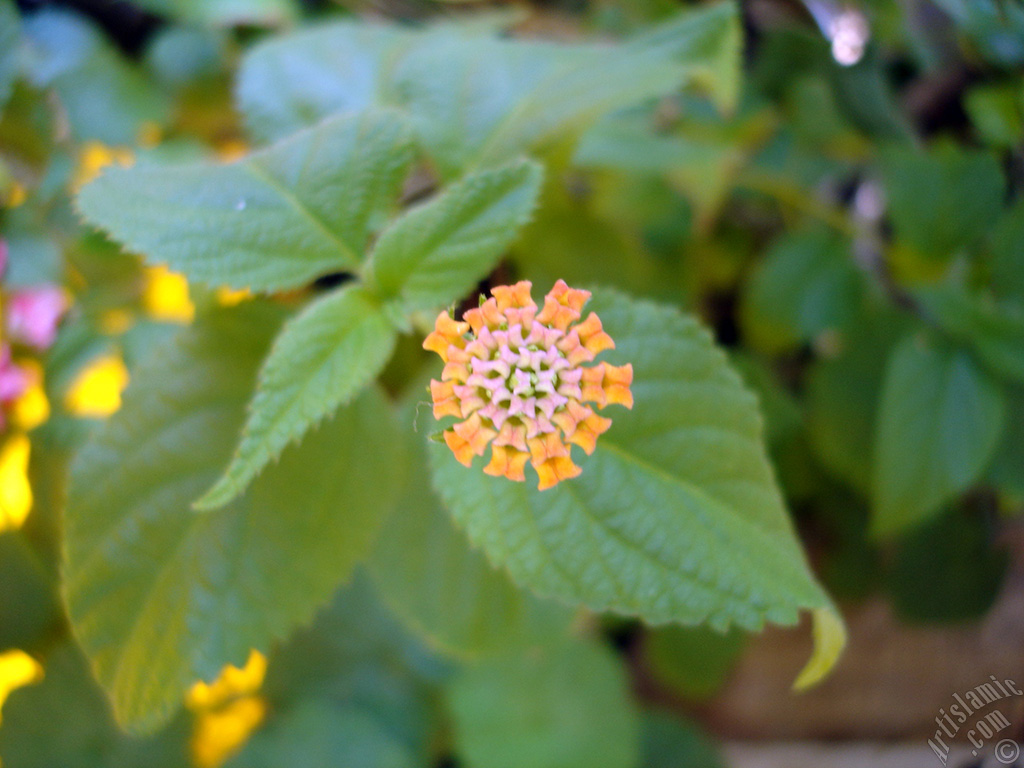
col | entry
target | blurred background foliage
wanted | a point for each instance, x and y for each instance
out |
(844, 210)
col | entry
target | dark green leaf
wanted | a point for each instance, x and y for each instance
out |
(10, 49)
(427, 572)
(806, 285)
(567, 706)
(942, 201)
(947, 571)
(692, 661)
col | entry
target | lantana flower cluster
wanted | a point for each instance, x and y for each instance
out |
(518, 381)
(30, 318)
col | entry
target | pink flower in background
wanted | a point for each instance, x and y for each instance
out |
(32, 315)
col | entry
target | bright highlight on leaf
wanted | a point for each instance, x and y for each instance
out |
(17, 669)
(516, 378)
(165, 296)
(96, 391)
(15, 491)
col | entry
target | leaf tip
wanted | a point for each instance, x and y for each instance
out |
(829, 641)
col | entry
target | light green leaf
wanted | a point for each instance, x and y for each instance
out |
(806, 285)
(447, 592)
(159, 596)
(288, 83)
(567, 706)
(436, 252)
(709, 42)
(10, 49)
(477, 100)
(676, 516)
(938, 424)
(277, 219)
(323, 358)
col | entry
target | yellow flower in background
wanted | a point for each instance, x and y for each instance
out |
(229, 297)
(17, 669)
(96, 391)
(231, 683)
(16, 196)
(93, 157)
(32, 407)
(227, 711)
(150, 134)
(165, 296)
(114, 322)
(15, 490)
(221, 733)
(230, 150)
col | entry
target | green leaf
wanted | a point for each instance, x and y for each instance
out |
(475, 99)
(995, 111)
(438, 251)
(842, 399)
(938, 424)
(993, 329)
(323, 358)
(693, 661)
(225, 13)
(672, 742)
(10, 49)
(676, 516)
(65, 720)
(1007, 264)
(358, 653)
(159, 596)
(567, 706)
(277, 219)
(947, 571)
(1007, 469)
(806, 285)
(481, 102)
(942, 201)
(447, 592)
(102, 95)
(28, 602)
(323, 733)
(292, 82)
(709, 42)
